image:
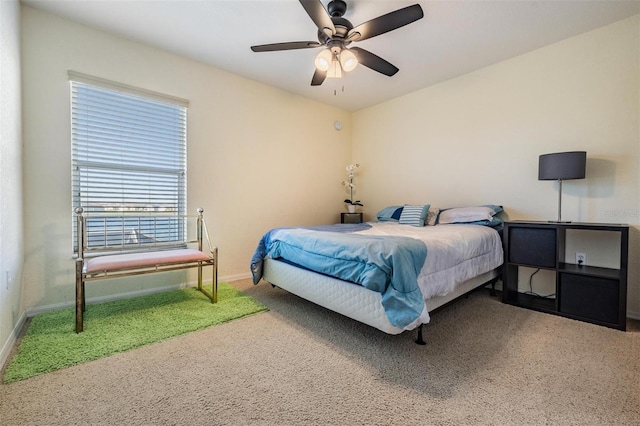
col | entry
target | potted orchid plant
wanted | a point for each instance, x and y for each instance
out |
(350, 186)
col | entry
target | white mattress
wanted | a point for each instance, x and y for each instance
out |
(352, 300)
(459, 258)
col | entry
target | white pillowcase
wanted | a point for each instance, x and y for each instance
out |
(466, 214)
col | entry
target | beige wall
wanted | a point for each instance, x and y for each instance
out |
(476, 139)
(11, 247)
(258, 157)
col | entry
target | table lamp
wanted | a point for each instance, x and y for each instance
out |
(562, 166)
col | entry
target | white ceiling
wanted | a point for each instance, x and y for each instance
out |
(454, 37)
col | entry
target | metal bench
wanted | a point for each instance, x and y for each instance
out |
(114, 245)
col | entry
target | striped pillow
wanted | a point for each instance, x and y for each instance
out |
(414, 215)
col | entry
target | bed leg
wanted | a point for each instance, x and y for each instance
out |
(492, 292)
(420, 340)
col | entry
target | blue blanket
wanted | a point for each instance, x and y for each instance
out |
(389, 265)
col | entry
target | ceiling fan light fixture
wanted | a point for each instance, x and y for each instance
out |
(335, 71)
(323, 60)
(348, 60)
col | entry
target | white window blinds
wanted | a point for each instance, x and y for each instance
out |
(128, 150)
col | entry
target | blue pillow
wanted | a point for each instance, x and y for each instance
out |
(389, 214)
(414, 215)
(396, 214)
(494, 222)
(496, 209)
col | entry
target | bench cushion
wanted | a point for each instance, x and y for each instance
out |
(117, 262)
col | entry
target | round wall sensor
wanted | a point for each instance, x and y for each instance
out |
(337, 125)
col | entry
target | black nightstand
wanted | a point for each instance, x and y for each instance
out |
(351, 217)
(584, 292)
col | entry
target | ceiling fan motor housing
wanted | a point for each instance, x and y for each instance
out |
(337, 8)
(335, 46)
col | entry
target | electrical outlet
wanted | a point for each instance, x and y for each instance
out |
(581, 259)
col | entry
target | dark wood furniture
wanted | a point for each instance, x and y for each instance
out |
(351, 217)
(587, 293)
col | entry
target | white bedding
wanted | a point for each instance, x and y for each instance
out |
(455, 253)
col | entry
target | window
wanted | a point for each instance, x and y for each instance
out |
(128, 156)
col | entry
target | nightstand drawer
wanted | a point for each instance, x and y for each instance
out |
(532, 246)
(592, 298)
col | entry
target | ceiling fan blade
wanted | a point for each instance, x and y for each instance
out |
(374, 62)
(318, 77)
(385, 23)
(285, 46)
(319, 16)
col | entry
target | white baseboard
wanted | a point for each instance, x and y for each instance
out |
(130, 294)
(11, 341)
(236, 277)
(102, 299)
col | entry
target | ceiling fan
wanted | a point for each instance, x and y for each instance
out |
(335, 33)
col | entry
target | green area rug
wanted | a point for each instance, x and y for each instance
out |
(51, 343)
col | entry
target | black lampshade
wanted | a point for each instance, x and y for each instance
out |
(562, 165)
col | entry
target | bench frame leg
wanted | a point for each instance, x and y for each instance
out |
(80, 300)
(214, 294)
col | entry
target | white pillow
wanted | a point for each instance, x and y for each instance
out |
(466, 214)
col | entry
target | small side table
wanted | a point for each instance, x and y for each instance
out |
(351, 217)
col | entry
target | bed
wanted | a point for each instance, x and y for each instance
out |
(389, 274)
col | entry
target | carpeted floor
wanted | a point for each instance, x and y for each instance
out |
(485, 363)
